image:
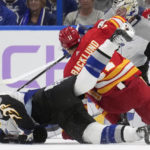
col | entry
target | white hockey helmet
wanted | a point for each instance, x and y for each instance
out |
(124, 31)
(130, 5)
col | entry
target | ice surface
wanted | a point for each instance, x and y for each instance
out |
(60, 144)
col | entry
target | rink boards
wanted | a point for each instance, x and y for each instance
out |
(24, 49)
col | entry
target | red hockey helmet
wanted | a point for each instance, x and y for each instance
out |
(69, 37)
(146, 13)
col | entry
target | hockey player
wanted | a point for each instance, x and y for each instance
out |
(133, 50)
(78, 60)
(81, 49)
(121, 80)
(61, 104)
(133, 13)
(130, 10)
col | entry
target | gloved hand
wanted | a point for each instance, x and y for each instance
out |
(2, 137)
(81, 29)
(66, 53)
(23, 139)
(39, 134)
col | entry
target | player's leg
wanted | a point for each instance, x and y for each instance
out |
(80, 126)
(97, 133)
(143, 112)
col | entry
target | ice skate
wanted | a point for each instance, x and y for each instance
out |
(144, 132)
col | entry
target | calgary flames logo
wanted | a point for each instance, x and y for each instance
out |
(8, 111)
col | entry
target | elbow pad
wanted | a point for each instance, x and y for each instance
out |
(108, 48)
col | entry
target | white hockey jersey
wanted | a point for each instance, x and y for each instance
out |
(141, 25)
(134, 51)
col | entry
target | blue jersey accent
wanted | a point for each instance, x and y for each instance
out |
(17, 6)
(136, 20)
(29, 94)
(141, 9)
(66, 53)
(130, 115)
(7, 17)
(82, 29)
(108, 135)
(94, 66)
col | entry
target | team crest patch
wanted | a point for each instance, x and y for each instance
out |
(8, 111)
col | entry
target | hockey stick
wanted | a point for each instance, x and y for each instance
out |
(13, 80)
(38, 75)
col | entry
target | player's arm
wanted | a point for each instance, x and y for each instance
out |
(12, 109)
(146, 67)
(98, 60)
(147, 51)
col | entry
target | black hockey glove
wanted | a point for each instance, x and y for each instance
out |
(3, 137)
(39, 134)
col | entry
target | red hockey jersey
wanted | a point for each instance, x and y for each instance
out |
(89, 43)
(119, 69)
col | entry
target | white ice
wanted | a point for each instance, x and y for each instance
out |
(59, 144)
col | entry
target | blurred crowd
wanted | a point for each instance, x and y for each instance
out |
(44, 12)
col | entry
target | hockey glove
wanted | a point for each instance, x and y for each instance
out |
(39, 134)
(81, 29)
(2, 137)
(66, 53)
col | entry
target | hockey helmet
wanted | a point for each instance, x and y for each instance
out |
(69, 37)
(124, 31)
(130, 5)
(146, 13)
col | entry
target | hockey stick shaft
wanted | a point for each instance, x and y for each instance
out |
(13, 80)
(38, 75)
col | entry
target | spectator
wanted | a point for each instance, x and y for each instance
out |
(85, 15)
(37, 14)
(147, 3)
(103, 5)
(7, 17)
(17, 6)
(52, 6)
(67, 5)
(141, 2)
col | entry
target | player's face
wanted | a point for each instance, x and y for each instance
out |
(71, 51)
(121, 12)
